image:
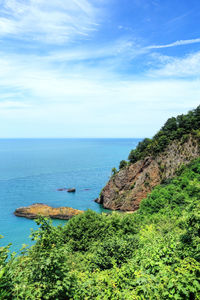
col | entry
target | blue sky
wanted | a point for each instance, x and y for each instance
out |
(97, 68)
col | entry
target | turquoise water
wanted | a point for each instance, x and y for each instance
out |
(31, 170)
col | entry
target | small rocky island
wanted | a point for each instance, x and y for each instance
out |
(34, 210)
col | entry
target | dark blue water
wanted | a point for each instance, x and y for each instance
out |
(31, 170)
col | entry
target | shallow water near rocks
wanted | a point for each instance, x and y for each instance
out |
(32, 171)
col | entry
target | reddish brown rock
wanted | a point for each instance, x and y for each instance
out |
(34, 210)
(125, 190)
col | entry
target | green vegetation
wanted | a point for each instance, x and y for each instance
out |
(175, 128)
(153, 253)
(114, 171)
(123, 163)
(4, 273)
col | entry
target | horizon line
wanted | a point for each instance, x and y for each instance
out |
(32, 138)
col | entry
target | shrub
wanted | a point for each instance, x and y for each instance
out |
(122, 164)
(41, 272)
(84, 229)
(113, 251)
(114, 171)
(5, 280)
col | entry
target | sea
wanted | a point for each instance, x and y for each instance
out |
(32, 171)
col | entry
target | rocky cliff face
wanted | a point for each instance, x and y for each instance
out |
(130, 185)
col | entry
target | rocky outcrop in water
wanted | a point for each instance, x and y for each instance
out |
(72, 190)
(130, 185)
(39, 209)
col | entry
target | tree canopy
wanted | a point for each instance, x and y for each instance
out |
(174, 128)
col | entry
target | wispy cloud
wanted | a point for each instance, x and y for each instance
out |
(71, 101)
(77, 107)
(7, 105)
(72, 86)
(111, 56)
(188, 66)
(69, 76)
(174, 44)
(47, 21)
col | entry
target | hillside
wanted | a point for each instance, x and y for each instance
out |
(151, 254)
(153, 161)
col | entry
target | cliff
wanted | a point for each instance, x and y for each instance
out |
(33, 211)
(131, 184)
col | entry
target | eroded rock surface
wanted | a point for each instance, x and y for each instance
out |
(33, 211)
(130, 185)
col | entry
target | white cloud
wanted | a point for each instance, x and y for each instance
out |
(188, 66)
(174, 44)
(121, 47)
(54, 21)
(78, 92)
(58, 74)
(7, 105)
(68, 103)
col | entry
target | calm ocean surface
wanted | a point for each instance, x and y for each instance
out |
(31, 170)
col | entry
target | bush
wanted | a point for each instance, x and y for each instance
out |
(114, 171)
(123, 163)
(41, 272)
(5, 280)
(83, 230)
(114, 251)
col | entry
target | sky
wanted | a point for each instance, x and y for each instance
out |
(96, 68)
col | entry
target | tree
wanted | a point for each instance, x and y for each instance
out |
(114, 171)
(123, 163)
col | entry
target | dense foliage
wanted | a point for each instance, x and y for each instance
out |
(174, 128)
(122, 164)
(153, 253)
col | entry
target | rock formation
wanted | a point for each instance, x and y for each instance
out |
(130, 185)
(34, 210)
(72, 190)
